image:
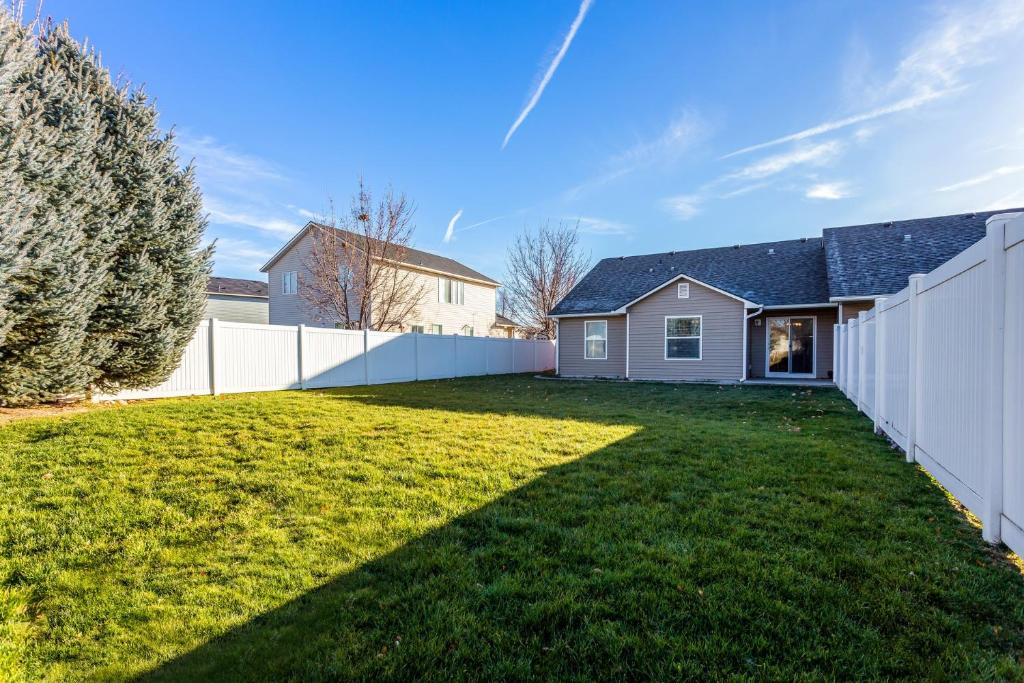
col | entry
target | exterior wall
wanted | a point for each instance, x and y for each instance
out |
(239, 309)
(571, 362)
(478, 312)
(852, 308)
(823, 340)
(721, 336)
(292, 309)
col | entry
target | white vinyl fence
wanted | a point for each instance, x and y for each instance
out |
(229, 357)
(939, 367)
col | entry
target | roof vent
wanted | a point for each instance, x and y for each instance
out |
(735, 246)
(650, 270)
(906, 238)
(888, 224)
(622, 258)
(803, 239)
(671, 253)
(771, 251)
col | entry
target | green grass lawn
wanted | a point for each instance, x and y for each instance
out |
(485, 529)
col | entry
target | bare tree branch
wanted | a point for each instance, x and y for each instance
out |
(353, 272)
(542, 267)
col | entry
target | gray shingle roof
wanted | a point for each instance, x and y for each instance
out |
(793, 274)
(864, 260)
(424, 259)
(499, 319)
(236, 286)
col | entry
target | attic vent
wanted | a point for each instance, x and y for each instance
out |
(622, 258)
(735, 246)
(771, 251)
(906, 238)
(671, 253)
(803, 239)
(888, 224)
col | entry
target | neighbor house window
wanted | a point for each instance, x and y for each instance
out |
(417, 329)
(436, 329)
(595, 345)
(683, 291)
(467, 331)
(682, 337)
(451, 291)
(290, 282)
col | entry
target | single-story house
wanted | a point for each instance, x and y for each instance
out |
(237, 300)
(729, 314)
(505, 327)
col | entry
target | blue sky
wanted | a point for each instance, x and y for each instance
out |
(658, 125)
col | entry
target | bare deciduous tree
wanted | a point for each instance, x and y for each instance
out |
(352, 275)
(542, 267)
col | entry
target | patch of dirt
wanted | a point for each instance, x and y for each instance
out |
(8, 415)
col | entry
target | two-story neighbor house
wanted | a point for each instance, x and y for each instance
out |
(455, 298)
(754, 310)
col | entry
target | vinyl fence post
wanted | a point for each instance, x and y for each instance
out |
(913, 364)
(487, 355)
(991, 524)
(836, 353)
(879, 364)
(214, 364)
(513, 343)
(455, 355)
(301, 351)
(366, 356)
(535, 344)
(862, 355)
(416, 355)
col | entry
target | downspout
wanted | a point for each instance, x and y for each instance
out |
(746, 337)
(627, 344)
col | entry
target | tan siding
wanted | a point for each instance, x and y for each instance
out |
(721, 336)
(571, 362)
(826, 318)
(237, 309)
(852, 308)
(478, 311)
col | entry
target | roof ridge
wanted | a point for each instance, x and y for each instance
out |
(965, 214)
(799, 240)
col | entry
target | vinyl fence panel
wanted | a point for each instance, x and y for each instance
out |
(941, 364)
(230, 357)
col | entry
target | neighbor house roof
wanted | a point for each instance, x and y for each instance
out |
(877, 258)
(768, 274)
(411, 257)
(236, 286)
(502, 321)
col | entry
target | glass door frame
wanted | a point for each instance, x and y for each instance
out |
(768, 346)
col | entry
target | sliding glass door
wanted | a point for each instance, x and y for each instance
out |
(790, 347)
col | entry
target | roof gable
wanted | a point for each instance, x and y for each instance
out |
(770, 273)
(415, 258)
(872, 259)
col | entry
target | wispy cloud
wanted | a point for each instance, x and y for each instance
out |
(682, 133)
(559, 56)
(600, 226)
(812, 154)
(450, 232)
(1000, 172)
(683, 207)
(232, 216)
(840, 190)
(934, 66)
(905, 104)
(241, 253)
(215, 161)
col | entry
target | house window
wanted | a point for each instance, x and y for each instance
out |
(683, 291)
(290, 282)
(451, 291)
(436, 329)
(416, 329)
(467, 331)
(682, 337)
(595, 343)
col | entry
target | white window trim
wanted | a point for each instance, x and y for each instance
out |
(683, 287)
(768, 346)
(458, 291)
(606, 335)
(286, 279)
(440, 328)
(699, 338)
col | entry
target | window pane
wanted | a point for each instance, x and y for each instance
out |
(801, 331)
(596, 348)
(596, 330)
(682, 327)
(683, 348)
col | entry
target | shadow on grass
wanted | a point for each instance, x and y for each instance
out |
(725, 538)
